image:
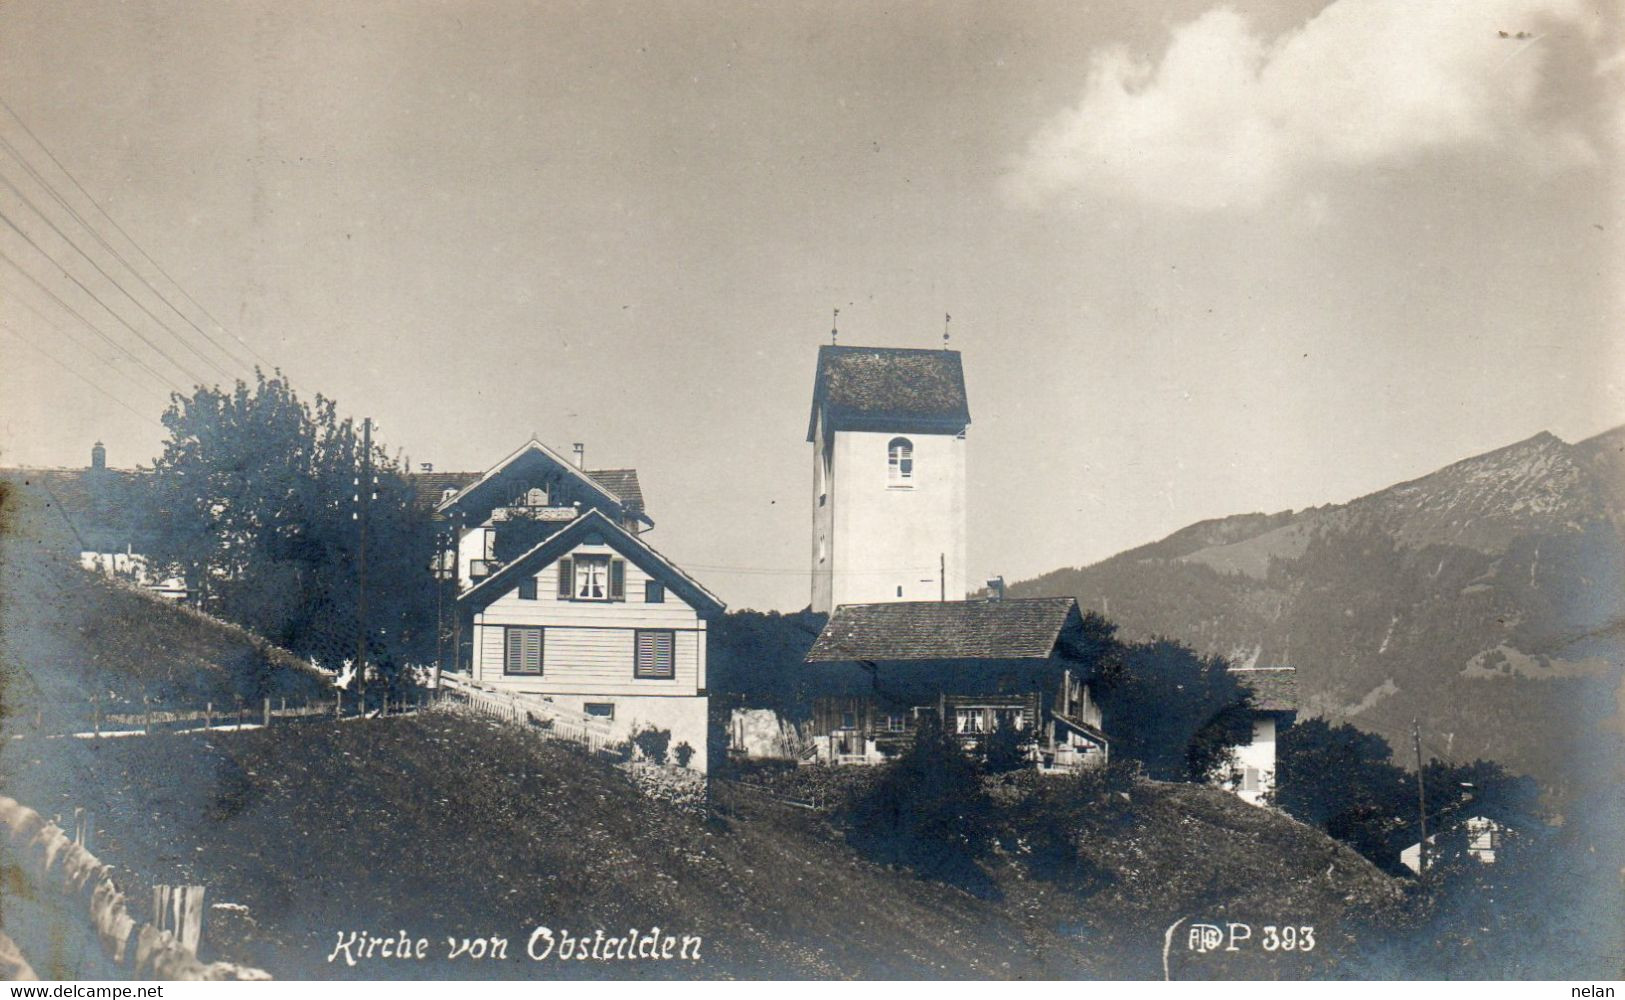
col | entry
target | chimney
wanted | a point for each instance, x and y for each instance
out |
(98, 456)
(426, 466)
(995, 587)
(581, 454)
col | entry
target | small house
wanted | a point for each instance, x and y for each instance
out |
(1274, 693)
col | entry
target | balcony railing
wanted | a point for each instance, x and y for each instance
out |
(523, 513)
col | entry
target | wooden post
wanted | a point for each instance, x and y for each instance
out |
(146, 718)
(208, 716)
(267, 722)
(96, 715)
(239, 716)
(338, 705)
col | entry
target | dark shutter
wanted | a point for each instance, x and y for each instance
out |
(527, 589)
(566, 578)
(523, 654)
(617, 579)
(656, 654)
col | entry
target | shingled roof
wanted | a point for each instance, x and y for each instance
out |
(429, 488)
(104, 509)
(889, 388)
(1026, 629)
(1275, 689)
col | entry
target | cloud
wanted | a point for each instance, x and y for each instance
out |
(1228, 118)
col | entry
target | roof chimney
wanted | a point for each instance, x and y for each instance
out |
(98, 456)
(581, 454)
(996, 587)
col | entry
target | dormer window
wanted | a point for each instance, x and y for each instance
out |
(900, 462)
(447, 493)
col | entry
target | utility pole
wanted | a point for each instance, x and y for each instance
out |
(363, 498)
(1421, 800)
(942, 576)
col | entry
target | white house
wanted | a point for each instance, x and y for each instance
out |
(562, 601)
(1275, 706)
(888, 435)
(1480, 837)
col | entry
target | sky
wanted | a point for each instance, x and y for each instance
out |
(1201, 259)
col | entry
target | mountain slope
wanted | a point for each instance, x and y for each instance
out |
(1486, 598)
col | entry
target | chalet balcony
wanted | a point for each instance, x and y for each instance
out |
(529, 513)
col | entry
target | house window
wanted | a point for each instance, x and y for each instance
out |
(447, 493)
(656, 658)
(527, 589)
(1249, 780)
(654, 592)
(899, 590)
(488, 545)
(523, 651)
(600, 709)
(900, 462)
(969, 720)
(595, 578)
(895, 723)
(536, 497)
(849, 720)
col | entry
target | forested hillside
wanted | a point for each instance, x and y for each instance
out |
(1486, 598)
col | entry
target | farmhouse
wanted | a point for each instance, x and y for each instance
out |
(976, 665)
(104, 518)
(562, 601)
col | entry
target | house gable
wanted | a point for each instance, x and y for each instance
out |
(535, 463)
(595, 529)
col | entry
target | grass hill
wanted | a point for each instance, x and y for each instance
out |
(1488, 598)
(450, 826)
(67, 633)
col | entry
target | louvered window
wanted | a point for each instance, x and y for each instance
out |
(656, 657)
(523, 654)
(900, 461)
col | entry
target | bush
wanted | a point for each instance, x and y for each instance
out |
(927, 812)
(1004, 749)
(684, 753)
(652, 743)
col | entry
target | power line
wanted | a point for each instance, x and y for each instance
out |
(17, 155)
(80, 376)
(86, 289)
(114, 281)
(130, 239)
(121, 373)
(92, 326)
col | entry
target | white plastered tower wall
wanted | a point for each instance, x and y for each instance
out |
(888, 429)
(889, 539)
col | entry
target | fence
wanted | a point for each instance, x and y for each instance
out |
(83, 882)
(234, 715)
(533, 714)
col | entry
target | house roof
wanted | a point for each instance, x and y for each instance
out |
(429, 488)
(622, 541)
(889, 388)
(1275, 689)
(619, 486)
(1023, 629)
(104, 509)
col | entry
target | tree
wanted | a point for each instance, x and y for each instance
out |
(1178, 713)
(1339, 779)
(256, 497)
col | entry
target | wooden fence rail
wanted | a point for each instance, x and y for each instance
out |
(534, 715)
(51, 857)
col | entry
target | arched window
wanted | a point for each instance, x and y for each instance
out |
(900, 461)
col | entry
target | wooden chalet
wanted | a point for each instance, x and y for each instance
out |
(975, 665)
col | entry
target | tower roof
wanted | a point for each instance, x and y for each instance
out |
(889, 389)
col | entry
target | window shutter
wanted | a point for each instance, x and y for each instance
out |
(524, 651)
(617, 579)
(566, 577)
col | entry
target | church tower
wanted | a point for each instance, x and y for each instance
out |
(888, 435)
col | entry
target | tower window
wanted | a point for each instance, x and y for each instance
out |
(900, 462)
